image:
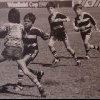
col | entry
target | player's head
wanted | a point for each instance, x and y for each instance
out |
(51, 7)
(14, 16)
(78, 9)
(29, 20)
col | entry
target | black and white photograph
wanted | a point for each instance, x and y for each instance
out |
(49, 49)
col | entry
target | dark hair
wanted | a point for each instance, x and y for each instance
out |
(77, 6)
(14, 16)
(30, 16)
(51, 4)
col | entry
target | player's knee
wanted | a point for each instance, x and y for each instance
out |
(50, 45)
(34, 55)
(86, 43)
(69, 48)
(26, 72)
(21, 63)
(37, 51)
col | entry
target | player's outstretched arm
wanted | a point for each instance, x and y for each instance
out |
(42, 34)
(63, 20)
(96, 28)
(45, 36)
(75, 27)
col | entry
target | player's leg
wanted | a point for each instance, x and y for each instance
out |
(89, 46)
(31, 76)
(86, 37)
(33, 52)
(53, 50)
(19, 85)
(39, 74)
(30, 58)
(70, 50)
(2, 59)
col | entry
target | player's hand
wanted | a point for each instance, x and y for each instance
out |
(98, 30)
(47, 36)
(67, 19)
(63, 20)
(76, 28)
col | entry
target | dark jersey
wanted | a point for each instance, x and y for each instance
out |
(56, 27)
(84, 21)
(30, 36)
(30, 39)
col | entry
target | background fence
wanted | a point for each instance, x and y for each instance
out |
(34, 4)
(42, 3)
(87, 3)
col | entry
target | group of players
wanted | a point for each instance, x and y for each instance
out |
(21, 40)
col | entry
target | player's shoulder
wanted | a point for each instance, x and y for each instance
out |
(16, 24)
(35, 29)
(21, 25)
(58, 13)
(86, 14)
(7, 24)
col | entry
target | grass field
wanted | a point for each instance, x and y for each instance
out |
(64, 81)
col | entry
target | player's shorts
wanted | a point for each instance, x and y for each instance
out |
(12, 53)
(60, 36)
(83, 34)
(29, 50)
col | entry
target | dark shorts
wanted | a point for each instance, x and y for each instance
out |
(60, 36)
(12, 53)
(83, 34)
(29, 50)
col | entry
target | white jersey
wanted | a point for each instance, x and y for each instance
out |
(14, 34)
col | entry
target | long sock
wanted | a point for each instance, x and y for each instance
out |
(87, 52)
(29, 60)
(35, 80)
(96, 47)
(35, 72)
(37, 83)
(20, 77)
(31, 76)
(53, 51)
(74, 56)
(55, 54)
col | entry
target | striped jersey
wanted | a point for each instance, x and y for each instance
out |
(56, 25)
(13, 34)
(30, 36)
(84, 22)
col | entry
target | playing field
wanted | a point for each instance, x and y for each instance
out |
(65, 80)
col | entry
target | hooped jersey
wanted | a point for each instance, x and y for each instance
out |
(30, 36)
(56, 26)
(84, 21)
